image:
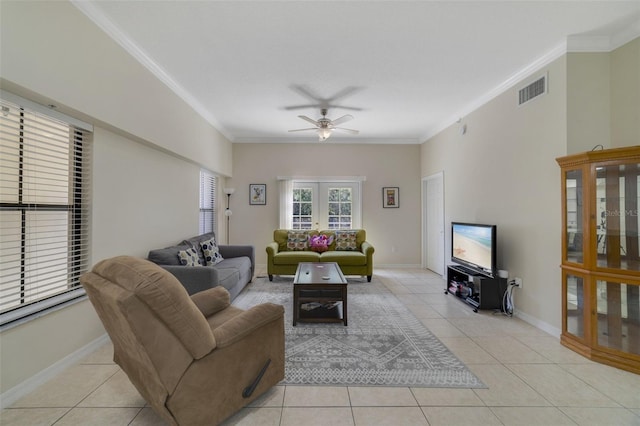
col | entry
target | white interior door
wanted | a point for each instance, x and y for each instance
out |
(434, 234)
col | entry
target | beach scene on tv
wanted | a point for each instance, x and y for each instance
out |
(472, 244)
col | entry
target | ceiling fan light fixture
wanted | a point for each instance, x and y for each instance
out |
(324, 134)
(324, 126)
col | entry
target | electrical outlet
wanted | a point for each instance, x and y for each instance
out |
(518, 282)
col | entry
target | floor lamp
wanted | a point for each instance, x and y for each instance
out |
(228, 212)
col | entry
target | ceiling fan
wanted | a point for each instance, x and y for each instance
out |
(324, 125)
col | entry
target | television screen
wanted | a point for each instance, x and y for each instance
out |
(474, 245)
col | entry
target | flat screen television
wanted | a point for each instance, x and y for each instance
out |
(474, 245)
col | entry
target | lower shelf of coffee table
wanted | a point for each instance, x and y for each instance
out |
(320, 314)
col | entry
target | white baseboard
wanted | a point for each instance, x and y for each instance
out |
(397, 265)
(544, 326)
(15, 393)
(260, 267)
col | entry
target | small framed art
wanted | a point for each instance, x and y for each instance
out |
(390, 197)
(257, 194)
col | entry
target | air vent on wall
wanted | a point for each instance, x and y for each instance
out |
(537, 88)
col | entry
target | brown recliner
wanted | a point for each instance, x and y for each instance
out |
(195, 359)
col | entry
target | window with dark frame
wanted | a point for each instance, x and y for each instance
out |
(45, 205)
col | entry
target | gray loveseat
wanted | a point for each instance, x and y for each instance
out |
(232, 273)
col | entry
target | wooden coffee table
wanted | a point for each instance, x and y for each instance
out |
(321, 288)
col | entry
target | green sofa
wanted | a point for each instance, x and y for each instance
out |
(282, 260)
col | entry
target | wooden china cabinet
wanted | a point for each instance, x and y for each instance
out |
(600, 255)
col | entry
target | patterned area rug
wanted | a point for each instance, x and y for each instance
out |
(384, 343)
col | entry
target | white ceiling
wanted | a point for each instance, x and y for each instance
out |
(403, 69)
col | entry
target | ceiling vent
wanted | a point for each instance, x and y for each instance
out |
(535, 89)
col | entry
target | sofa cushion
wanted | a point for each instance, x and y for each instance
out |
(294, 257)
(189, 257)
(240, 263)
(346, 240)
(167, 256)
(195, 243)
(211, 252)
(280, 236)
(228, 277)
(297, 240)
(350, 258)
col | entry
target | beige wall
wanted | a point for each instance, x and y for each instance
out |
(55, 51)
(588, 101)
(625, 95)
(143, 198)
(29, 349)
(145, 195)
(382, 165)
(503, 172)
(603, 90)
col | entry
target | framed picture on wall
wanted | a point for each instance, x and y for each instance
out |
(257, 194)
(390, 197)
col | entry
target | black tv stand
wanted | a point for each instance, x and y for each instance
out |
(475, 288)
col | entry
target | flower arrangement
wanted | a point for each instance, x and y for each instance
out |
(320, 242)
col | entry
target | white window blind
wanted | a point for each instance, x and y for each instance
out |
(45, 203)
(207, 202)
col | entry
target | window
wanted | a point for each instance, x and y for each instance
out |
(339, 205)
(207, 202)
(303, 208)
(45, 204)
(326, 205)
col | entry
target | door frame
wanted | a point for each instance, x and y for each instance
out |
(425, 230)
(321, 182)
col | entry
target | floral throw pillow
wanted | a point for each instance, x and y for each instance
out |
(211, 252)
(189, 257)
(346, 241)
(297, 241)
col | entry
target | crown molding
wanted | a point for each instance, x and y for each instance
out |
(324, 178)
(594, 44)
(514, 79)
(626, 35)
(113, 31)
(579, 43)
(333, 141)
(603, 43)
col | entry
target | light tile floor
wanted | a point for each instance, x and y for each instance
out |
(531, 379)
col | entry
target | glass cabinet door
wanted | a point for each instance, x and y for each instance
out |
(617, 194)
(573, 216)
(574, 299)
(618, 316)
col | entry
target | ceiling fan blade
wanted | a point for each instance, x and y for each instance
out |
(347, 91)
(308, 106)
(305, 118)
(342, 129)
(302, 130)
(342, 119)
